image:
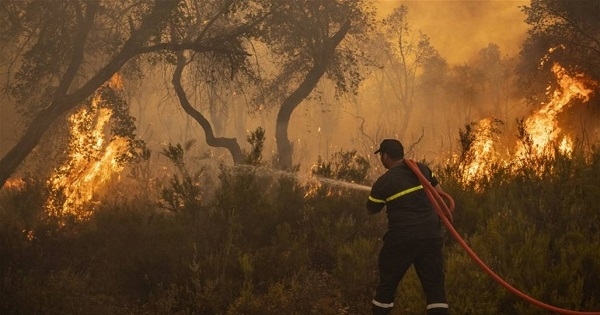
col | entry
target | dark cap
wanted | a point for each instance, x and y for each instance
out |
(392, 147)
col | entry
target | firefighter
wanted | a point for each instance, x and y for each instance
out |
(414, 235)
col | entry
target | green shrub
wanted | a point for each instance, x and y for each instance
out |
(267, 244)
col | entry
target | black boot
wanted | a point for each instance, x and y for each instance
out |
(438, 311)
(381, 310)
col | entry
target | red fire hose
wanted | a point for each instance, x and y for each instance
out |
(445, 212)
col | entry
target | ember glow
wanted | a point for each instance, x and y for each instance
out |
(15, 184)
(92, 161)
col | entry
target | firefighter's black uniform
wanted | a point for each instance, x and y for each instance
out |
(414, 237)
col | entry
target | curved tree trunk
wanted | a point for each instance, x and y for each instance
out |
(228, 143)
(284, 146)
(63, 102)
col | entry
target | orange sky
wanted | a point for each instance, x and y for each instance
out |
(458, 29)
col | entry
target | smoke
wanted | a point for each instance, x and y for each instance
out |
(459, 29)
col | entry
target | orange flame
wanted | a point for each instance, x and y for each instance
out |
(482, 151)
(15, 184)
(542, 126)
(90, 164)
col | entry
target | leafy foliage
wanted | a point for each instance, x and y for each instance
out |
(564, 32)
(257, 141)
(183, 192)
(344, 165)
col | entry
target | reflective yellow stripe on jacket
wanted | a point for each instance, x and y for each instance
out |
(398, 195)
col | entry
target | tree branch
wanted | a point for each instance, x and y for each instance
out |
(228, 143)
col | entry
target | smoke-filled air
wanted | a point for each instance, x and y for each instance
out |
(215, 157)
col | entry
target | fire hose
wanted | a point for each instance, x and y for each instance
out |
(445, 210)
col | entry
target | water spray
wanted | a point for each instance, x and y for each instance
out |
(329, 181)
(343, 184)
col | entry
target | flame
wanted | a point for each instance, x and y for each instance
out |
(15, 184)
(482, 151)
(542, 126)
(541, 129)
(116, 82)
(90, 164)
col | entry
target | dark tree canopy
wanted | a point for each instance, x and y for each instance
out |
(57, 54)
(562, 31)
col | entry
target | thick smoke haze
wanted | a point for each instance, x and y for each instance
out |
(457, 29)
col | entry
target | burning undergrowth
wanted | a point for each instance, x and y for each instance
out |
(539, 135)
(101, 142)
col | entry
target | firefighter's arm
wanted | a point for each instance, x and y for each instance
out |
(374, 205)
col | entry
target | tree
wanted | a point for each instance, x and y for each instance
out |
(214, 75)
(406, 54)
(312, 39)
(66, 50)
(567, 32)
(229, 143)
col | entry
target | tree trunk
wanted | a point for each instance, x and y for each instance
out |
(284, 146)
(228, 143)
(63, 102)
